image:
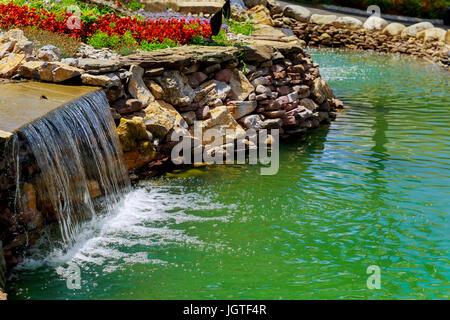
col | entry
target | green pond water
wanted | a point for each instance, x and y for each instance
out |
(373, 188)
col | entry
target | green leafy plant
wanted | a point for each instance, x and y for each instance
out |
(155, 45)
(125, 44)
(245, 28)
(135, 5)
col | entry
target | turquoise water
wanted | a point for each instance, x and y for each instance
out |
(373, 188)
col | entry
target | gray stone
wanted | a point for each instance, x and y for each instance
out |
(24, 46)
(252, 122)
(96, 66)
(375, 23)
(137, 87)
(177, 90)
(212, 68)
(105, 80)
(49, 53)
(239, 109)
(298, 13)
(413, 30)
(323, 19)
(272, 123)
(348, 22)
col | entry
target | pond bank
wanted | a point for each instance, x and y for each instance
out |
(268, 83)
(369, 189)
(421, 40)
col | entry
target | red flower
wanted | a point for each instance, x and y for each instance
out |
(150, 30)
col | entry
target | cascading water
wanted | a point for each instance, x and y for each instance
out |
(78, 158)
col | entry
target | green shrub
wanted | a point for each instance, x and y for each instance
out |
(125, 44)
(245, 28)
(155, 45)
(135, 5)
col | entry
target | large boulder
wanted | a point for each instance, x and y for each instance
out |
(393, 29)
(177, 90)
(298, 13)
(257, 53)
(375, 23)
(433, 34)
(322, 19)
(240, 86)
(221, 120)
(48, 71)
(261, 14)
(239, 109)
(49, 53)
(275, 7)
(348, 23)
(252, 121)
(6, 48)
(135, 142)
(321, 91)
(161, 117)
(10, 64)
(108, 80)
(137, 87)
(24, 46)
(98, 66)
(412, 31)
(211, 93)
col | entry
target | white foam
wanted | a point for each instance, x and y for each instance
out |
(144, 219)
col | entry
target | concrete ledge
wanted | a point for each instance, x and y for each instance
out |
(25, 102)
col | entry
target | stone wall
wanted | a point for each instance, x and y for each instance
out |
(421, 40)
(251, 87)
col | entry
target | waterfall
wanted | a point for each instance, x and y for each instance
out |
(77, 157)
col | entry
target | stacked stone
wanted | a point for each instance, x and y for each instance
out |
(290, 95)
(155, 94)
(316, 35)
(421, 40)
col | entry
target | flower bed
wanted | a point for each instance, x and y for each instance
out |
(180, 30)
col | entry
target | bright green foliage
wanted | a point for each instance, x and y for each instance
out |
(150, 46)
(124, 45)
(135, 5)
(245, 28)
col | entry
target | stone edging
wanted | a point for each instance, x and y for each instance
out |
(422, 40)
(392, 17)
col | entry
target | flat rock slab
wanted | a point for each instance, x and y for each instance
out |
(97, 66)
(24, 102)
(181, 56)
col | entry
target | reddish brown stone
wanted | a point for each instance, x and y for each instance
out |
(223, 75)
(203, 113)
(284, 90)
